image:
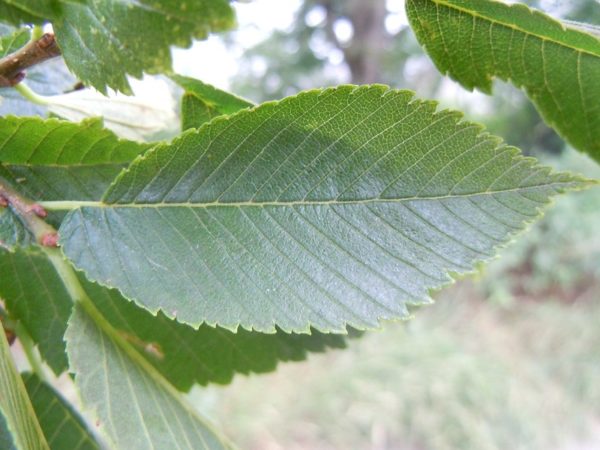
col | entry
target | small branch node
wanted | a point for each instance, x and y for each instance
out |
(12, 67)
(11, 337)
(47, 41)
(38, 210)
(9, 331)
(50, 239)
(30, 213)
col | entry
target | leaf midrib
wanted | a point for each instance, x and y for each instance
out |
(63, 166)
(481, 16)
(74, 204)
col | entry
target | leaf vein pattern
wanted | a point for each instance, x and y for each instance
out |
(356, 98)
(224, 285)
(420, 244)
(255, 258)
(336, 244)
(292, 265)
(428, 223)
(382, 248)
(342, 136)
(264, 148)
(321, 262)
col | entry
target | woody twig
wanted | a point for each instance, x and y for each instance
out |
(12, 67)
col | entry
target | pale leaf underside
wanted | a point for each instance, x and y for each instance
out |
(186, 356)
(12, 231)
(18, 424)
(334, 207)
(138, 411)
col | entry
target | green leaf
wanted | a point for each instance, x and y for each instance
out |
(185, 356)
(13, 41)
(62, 425)
(6, 439)
(35, 296)
(103, 41)
(583, 27)
(48, 9)
(203, 102)
(13, 14)
(331, 208)
(57, 160)
(135, 406)
(12, 231)
(60, 160)
(557, 65)
(194, 112)
(16, 413)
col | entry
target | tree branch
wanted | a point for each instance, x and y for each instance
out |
(12, 67)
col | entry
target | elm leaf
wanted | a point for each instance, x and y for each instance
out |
(58, 160)
(19, 428)
(137, 408)
(334, 207)
(202, 102)
(35, 296)
(62, 425)
(557, 64)
(103, 41)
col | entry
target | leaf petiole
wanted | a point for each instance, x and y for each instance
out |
(66, 205)
(37, 32)
(30, 95)
(30, 351)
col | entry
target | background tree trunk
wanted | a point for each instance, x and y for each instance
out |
(363, 53)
